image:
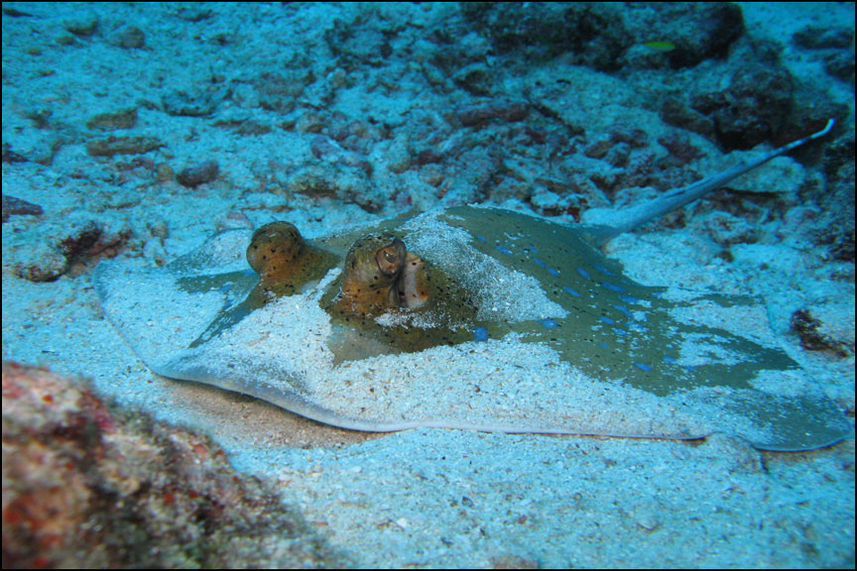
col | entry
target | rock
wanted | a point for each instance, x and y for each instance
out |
(129, 37)
(594, 33)
(814, 38)
(122, 119)
(12, 205)
(82, 26)
(45, 252)
(10, 156)
(479, 114)
(675, 112)
(86, 484)
(42, 262)
(196, 175)
(279, 91)
(697, 30)
(812, 335)
(192, 13)
(195, 102)
(122, 146)
(752, 109)
(340, 181)
(476, 79)
(726, 229)
(680, 147)
(243, 126)
(359, 42)
(837, 200)
(840, 65)
(398, 156)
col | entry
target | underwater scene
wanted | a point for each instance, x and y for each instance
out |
(461, 285)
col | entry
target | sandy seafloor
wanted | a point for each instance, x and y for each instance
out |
(422, 497)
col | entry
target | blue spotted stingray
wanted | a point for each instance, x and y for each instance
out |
(520, 325)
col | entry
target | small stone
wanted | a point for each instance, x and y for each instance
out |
(647, 520)
(198, 174)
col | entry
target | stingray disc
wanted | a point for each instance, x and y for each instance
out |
(543, 334)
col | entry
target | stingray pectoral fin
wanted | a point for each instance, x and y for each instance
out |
(804, 422)
(240, 378)
(282, 388)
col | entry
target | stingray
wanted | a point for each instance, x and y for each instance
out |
(471, 318)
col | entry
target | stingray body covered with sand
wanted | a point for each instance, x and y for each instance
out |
(471, 318)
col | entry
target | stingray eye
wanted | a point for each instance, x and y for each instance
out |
(390, 259)
(277, 242)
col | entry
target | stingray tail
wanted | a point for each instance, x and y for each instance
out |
(611, 223)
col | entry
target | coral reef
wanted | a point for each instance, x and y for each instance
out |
(89, 485)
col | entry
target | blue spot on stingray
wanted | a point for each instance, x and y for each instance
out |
(642, 366)
(670, 360)
(583, 273)
(549, 323)
(504, 250)
(623, 310)
(629, 299)
(570, 291)
(612, 287)
(604, 345)
(550, 270)
(604, 270)
(480, 334)
(481, 238)
(607, 320)
(619, 331)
